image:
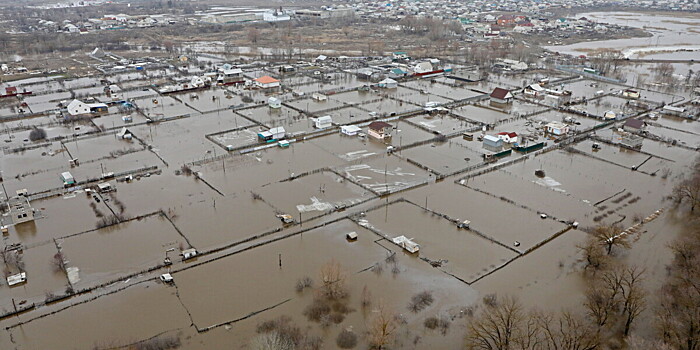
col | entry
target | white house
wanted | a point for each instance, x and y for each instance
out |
(77, 107)
(274, 102)
(508, 137)
(423, 67)
(323, 122)
(350, 130)
(318, 97)
(267, 82)
(557, 128)
(388, 83)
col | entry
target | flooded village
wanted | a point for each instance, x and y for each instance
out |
(226, 193)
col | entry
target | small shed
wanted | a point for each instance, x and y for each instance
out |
(124, 133)
(166, 277)
(17, 279)
(67, 178)
(189, 253)
(104, 187)
(272, 134)
(351, 236)
(323, 122)
(274, 102)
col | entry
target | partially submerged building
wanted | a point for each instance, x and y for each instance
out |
(20, 210)
(380, 130)
(501, 96)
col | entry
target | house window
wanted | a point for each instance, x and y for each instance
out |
(24, 215)
(19, 216)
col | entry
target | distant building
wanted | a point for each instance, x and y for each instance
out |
(380, 130)
(501, 96)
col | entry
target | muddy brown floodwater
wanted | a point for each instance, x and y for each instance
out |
(263, 215)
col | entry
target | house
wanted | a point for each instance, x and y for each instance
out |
(77, 107)
(318, 97)
(11, 91)
(534, 91)
(274, 102)
(631, 140)
(272, 134)
(399, 55)
(397, 73)
(501, 96)
(388, 83)
(609, 115)
(423, 67)
(323, 122)
(406, 243)
(97, 107)
(230, 76)
(492, 142)
(267, 82)
(633, 125)
(508, 137)
(350, 130)
(505, 20)
(20, 210)
(380, 130)
(629, 93)
(671, 110)
(556, 128)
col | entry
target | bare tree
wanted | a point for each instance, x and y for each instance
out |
(333, 279)
(382, 328)
(593, 255)
(633, 295)
(566, 331)
(610, 236)
(688, 190)
(502, 325)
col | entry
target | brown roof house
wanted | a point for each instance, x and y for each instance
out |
(380, 130)
(501, 96)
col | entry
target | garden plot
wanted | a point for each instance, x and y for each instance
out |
(388, 107)
(313, 195)
(461, 253)
(82, 326)
(443, 124)
(349, 115)
(116, 251)
(441, 90)
(162, 107)
(495, 218)
(355, 97)
(312, 106)
(480, 114)
(444, 157)
(292, 121)
(386, 175)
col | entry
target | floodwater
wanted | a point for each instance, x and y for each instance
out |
(668, 33)
(225, 205)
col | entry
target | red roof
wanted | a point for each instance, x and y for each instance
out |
(510, 134)
(11, 90)
(500, 93)
(267, 80)
(378, 125)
